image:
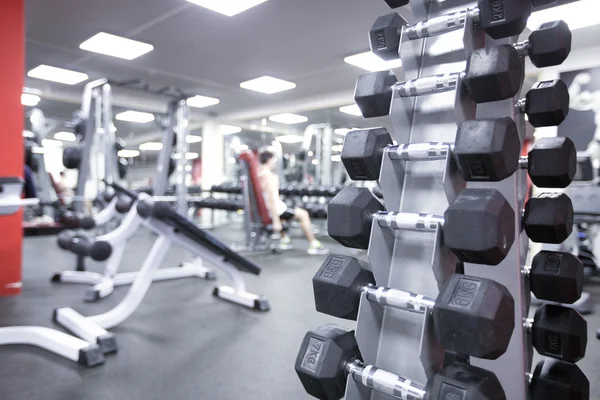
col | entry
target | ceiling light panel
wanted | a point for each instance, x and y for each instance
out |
(135, 116)
(65, 136)
(30, 100)
(59, 75)
(151, 146)
(288, 118)
(352, 110)
(51, 143)
(128, 153)
(372, 63)
(193, 139)
(227, 7)
(577, 15)
(229, 129)
(202, 101)
(116, 46)
(268, 85)
(290, 139)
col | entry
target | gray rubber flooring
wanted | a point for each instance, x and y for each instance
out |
(181, 343)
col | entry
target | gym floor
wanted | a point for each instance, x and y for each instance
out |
(182, 343)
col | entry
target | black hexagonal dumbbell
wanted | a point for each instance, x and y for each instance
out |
(478, 225)
(330, 354)
(555, 276)
(548, 46)
(492, 74)
(548, 218)
(554, 379)
(558, 332)
(499, 19)
(402, 3)
(485, 150)
(481, 327)
(546, 103)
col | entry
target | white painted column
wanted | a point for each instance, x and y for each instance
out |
(213, 161)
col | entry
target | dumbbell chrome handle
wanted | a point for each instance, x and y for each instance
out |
(396, 298)
(420, 151)
(428, 85)
(409, 221)
(439, 25)
(385, 382)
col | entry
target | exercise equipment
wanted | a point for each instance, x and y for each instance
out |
(492, 74)
(549, 45)
(329, 355)
(171, 228)
(471, 315)
(485, 150)
(111, 248)
(63, 345)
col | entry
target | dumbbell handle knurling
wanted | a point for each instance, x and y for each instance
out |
(428, 85)
(420, 151)
(385, 382)
(409, 221)
(439, 25)
(399, 299)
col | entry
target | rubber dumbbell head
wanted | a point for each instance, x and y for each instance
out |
(362, 152)
(487, 149)
(479, 226)
(550, 44)
(554, 379)
(548, 218)
(505, 18)
(547, 103)
(559, 332)
(552, 162)
(556, 276)
(65, 239)
(396, 3)
(373, 93)
(494, 74)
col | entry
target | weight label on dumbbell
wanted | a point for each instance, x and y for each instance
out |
(477, 168)
(465, 293)
(313, 354)
(380, 35)
(497, 9)
(553, 344)
(553, 263)
(334, 267)
(450, 392)
(544, 84)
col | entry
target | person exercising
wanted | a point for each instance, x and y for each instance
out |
(278, 210)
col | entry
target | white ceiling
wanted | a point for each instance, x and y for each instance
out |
(203, 52)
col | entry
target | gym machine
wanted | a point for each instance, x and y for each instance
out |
(60, 343)
(171, 228)
(111, 248)
(456, 173)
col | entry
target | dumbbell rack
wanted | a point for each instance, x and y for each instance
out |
(394, 340)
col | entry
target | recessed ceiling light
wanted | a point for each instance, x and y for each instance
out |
(41, 150)
(28, 134)
(352, 110)
(336, 158)
(65, 136)
(128, 153)
(135, 116)
(202, 101)
(59, 75)
(288, 118)
(229, 129)
(579, 14)
(290, 139)
(315, 162)
(268, 85)
(337, 147)
(151, 146)
(116, 46)
(227, 7)
(343, 131)
(370, 62)
(191, 156)
(30, 100)
(51, 143)
(193, 139)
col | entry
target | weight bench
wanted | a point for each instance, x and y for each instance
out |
(258, 225)
(62, 344)
(114, 243)
(171, 228)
